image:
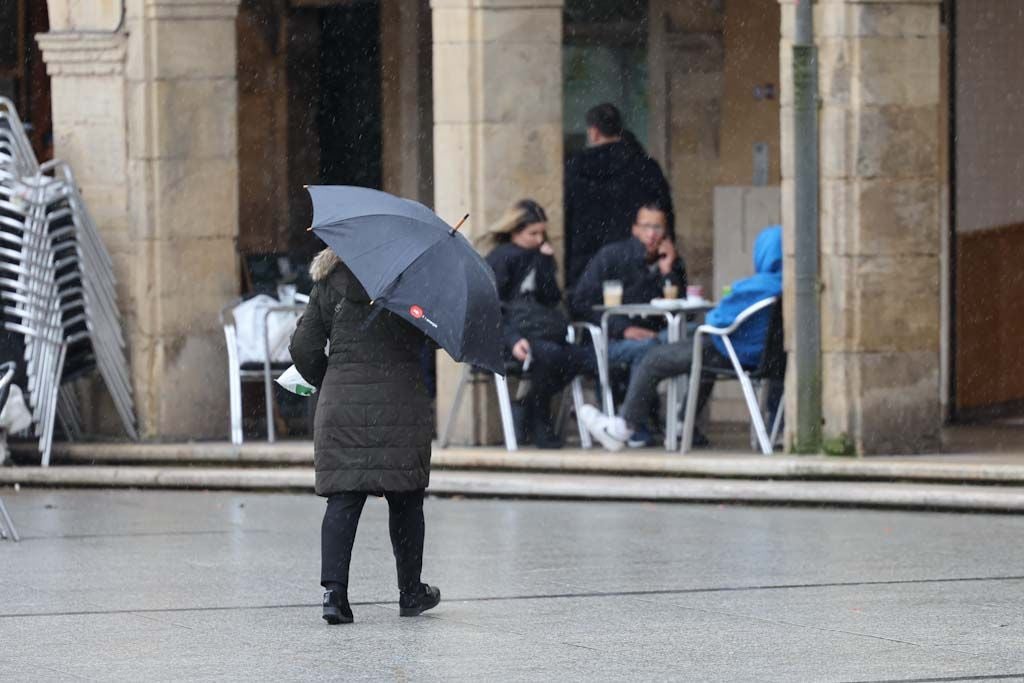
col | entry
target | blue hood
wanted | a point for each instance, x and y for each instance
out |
(768, 250)
(766, 282)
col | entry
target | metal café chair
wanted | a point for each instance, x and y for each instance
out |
(574, 334)
(262, 371)
(56, 287)
(770, 368)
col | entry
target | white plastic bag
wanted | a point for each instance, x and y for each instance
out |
(15, 416)
(291, 380)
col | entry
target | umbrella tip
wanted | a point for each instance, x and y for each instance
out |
(458, 225)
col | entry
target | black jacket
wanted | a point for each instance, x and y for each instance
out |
(528, 288)
(374, 422)
(604, 188)
(624, 261)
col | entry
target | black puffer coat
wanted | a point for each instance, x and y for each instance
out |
(374, 422)
(529, 293)
(604, 187)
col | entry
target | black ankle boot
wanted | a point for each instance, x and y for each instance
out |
(522, 416)
(336, 608)
(544, 436)
(415, 603)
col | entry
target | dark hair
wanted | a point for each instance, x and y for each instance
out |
(606, 118)
(521, 214)
(653, 204)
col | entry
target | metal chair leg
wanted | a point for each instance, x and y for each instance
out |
(777, 422)
(577, 404)
(691, 394)
(505, 405)
(6, 518)
(268, 388)
(235, 390)
(449, 422)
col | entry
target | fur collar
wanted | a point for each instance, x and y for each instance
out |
(323, 264)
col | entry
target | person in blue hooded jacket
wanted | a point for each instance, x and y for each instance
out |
(671, 360)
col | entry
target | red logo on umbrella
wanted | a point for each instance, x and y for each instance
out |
(416, 312)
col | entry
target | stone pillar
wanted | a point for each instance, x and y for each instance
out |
(879, 221)
(146, 114)
(403, 128)
(85, 59)
(497, 134)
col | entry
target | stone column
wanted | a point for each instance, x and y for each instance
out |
(403, 126)
(497, 134)
(879, 221)
(85, 59)
(146, 114)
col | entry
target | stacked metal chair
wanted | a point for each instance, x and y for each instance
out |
(56, 288)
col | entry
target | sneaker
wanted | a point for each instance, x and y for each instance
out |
(417, 602)
(642, 438)
(611, 432)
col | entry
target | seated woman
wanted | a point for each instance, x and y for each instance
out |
(534, 326)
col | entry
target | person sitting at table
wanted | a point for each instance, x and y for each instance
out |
(534, 327)
(672, 360)
(644, 264)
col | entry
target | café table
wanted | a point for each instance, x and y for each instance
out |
(674, 311)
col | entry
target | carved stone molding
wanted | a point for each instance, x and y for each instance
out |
(83, 54)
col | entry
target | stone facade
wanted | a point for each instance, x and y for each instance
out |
(497, 137)
(145, 111)
(879, 221)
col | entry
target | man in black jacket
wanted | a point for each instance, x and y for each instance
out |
(605, 184)
(643, 264)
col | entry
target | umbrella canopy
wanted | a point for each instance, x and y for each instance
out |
(415, 265)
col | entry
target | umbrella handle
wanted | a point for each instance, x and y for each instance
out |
(458, 225)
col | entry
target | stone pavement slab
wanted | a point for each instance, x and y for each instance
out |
(172, 585)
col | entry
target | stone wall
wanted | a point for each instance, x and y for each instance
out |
(879, 221)
(145, 111)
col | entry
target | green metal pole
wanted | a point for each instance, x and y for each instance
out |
(807, 323)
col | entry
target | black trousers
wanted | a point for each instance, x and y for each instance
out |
(553, 367)
(338, 533)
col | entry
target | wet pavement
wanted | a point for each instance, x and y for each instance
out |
(165, 585)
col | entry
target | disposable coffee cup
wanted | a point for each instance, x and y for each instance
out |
(695, 293)
(612, 291)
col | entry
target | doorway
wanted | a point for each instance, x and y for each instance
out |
(309, 112)
(987, 217)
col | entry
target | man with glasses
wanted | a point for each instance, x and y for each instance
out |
(604, 185)
(644, 263)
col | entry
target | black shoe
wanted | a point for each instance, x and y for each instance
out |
(546, 440)
(699, 439)
(336, 609)
(543, 433)
(521, 418)
(418, 602)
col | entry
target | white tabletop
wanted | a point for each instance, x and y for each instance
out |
(658, 306)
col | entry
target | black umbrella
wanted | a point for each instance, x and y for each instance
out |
(414, 264)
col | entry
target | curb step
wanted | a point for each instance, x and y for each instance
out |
(644, 464)
(559, 486)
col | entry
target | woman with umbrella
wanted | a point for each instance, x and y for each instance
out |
(534, 326)
(403, 276)
(372, 429)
